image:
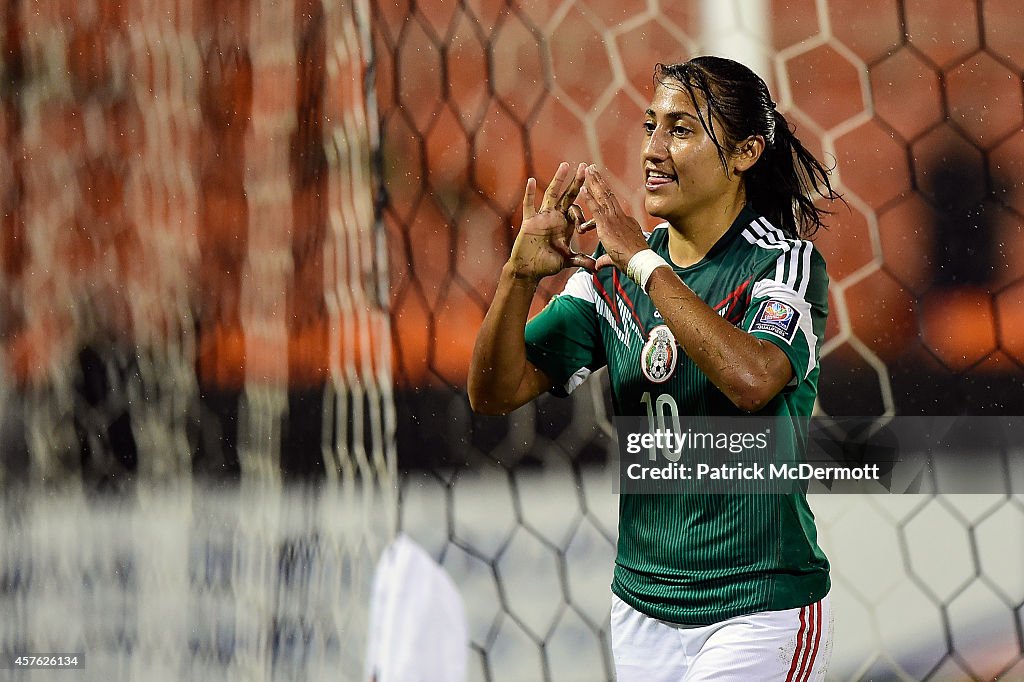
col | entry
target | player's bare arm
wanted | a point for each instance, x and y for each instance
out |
(748, 370)
(500, 377)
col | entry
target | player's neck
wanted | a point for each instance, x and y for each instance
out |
(690, 239)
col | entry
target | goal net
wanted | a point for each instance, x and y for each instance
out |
(198, 457)
(246, 248)
(918, 105)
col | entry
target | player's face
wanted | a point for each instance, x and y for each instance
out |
(683, 172)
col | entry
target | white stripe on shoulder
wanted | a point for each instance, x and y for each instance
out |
(794, 266)
(805, 277)
(798, 274)
(756, 239)
(767, 234)
(581, 286)
(771, 228)
(769, 238)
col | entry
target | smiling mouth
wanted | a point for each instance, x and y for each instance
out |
(657, 179)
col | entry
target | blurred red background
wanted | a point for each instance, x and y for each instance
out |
(191, 168)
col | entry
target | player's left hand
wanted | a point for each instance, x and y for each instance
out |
(621, 235)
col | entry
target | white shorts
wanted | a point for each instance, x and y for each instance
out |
(794, 645)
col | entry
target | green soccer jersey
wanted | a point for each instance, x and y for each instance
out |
(699, 559)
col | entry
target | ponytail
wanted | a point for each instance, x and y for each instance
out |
(784, 182)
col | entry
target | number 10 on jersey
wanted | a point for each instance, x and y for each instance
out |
(659, 411)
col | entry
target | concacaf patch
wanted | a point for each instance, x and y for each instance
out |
(778, 318)
(659, 355)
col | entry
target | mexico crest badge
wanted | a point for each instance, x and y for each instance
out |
(658, 357)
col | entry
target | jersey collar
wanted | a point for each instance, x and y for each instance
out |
(746, 216)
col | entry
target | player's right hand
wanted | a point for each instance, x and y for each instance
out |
(542, 246)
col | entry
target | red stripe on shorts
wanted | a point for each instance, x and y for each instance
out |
(797, 653)
(817, 640)
(811, 625)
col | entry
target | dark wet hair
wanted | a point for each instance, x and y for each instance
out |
(783, 183)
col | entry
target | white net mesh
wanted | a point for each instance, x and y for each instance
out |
(194, 284)
(193, 583)
(919, 104)
(198, 424)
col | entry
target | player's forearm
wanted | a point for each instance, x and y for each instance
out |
(499, 362)
(749, 371)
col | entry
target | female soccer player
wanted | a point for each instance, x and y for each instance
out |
(720, 311)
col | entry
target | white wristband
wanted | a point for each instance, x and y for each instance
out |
(642, 265)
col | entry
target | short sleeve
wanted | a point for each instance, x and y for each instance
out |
(563, 339)
(789, 306)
